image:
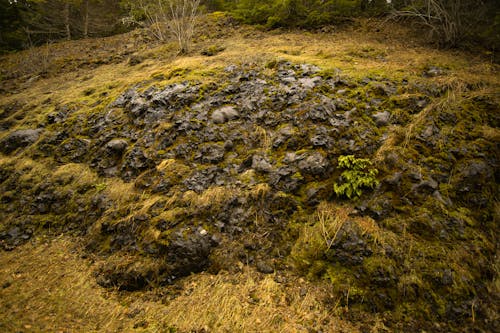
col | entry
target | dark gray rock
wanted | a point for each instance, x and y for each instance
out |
(19, 139)
(13, 237)
(124, 98)
(170, 95)
(154, 115)
(292, 157)
(321, 138)
(135, 162)
(188, 251)
(138, 106)
(320, 113)
(378, 207)
(74, 150)
(264, 267)
(117, 146)
(211, 153)
(393, 180)
(58, 116)
(383, 89)
(316, 193)
(348, 247)
(286, 179)
(308, 69)
(474, 182)
(200, 180)
(314, 164)
(261, 164)
(427, 186)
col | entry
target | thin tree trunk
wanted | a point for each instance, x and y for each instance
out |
(66, 21)
(86, 20)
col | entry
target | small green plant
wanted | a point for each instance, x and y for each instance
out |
(356, 176)
(100, 187)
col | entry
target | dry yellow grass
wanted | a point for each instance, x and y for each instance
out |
(119, 191)
(212, 197)
(330, 219)
(317, 236)
(248, 302)
(260, 191)
(46, 286)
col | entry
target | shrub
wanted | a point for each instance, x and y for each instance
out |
(450, 22)
(177, 17)
(356, 176)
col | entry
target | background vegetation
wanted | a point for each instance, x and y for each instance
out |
(448, 23)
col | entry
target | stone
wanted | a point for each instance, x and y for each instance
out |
(393, 180)
(382, 118)
(286, 179)
(310, 83)
(171, 95)
(308, 69)
(224, 114)
(135, 162)
(348, 247)
(427, 186)
(124, 98)
(200, 180)
(319, 113)
(261, 164)
(264, 268)
(188, 251)
(19, 139)
(314, 164)
(117, 146)
(74, 150)
(212, 153)
(433, 71)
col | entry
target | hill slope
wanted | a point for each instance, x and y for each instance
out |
(216, 181)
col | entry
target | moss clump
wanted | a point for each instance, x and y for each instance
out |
(213, 50)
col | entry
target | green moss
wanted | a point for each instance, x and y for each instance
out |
(213, 50)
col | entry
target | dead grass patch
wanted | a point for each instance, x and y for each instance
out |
(46, 286)
(214, 197)
(248, 302)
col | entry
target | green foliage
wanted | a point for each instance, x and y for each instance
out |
(294, 13)
(356, 176)
(11, 34)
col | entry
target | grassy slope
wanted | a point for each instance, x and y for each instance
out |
(57, 292)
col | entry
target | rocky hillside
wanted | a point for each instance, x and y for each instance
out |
(349, 168)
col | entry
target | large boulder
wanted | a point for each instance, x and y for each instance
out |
(19, 139)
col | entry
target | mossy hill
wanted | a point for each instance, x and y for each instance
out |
(166, 167)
